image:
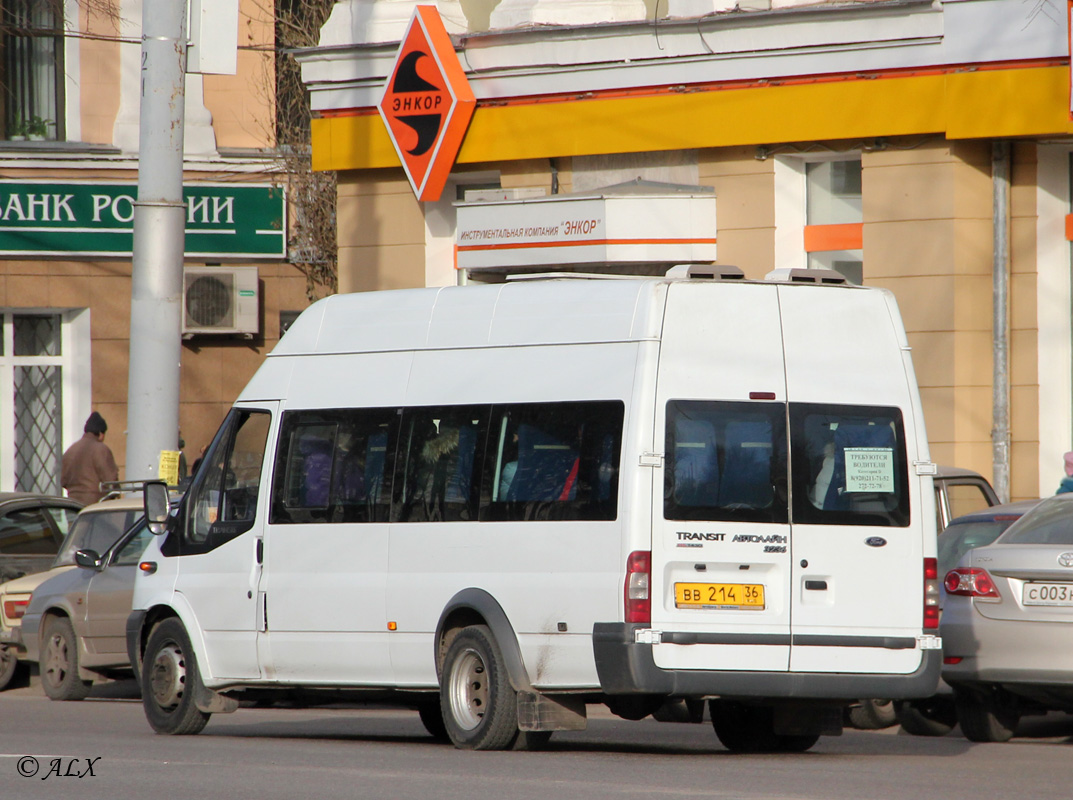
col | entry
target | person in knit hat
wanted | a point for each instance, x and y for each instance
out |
(88, 463)
(1067, 482)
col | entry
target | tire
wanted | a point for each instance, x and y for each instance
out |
(933, 716)
(984, 718)
(432, 719)
(59, 662)
(9, 665)
(634, 707)
(169, 677)
(480, 708)
(873, 715)
(532, 740)
(751, 729)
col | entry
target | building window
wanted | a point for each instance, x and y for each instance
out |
(834, 218)
(45, 393)
(32, 365)
(31, 71)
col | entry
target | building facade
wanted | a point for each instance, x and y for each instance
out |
(920, 146)
(68, 179)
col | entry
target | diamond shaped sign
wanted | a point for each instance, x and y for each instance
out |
(427, 103)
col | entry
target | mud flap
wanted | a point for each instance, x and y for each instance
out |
(541, 712)
(213, 702)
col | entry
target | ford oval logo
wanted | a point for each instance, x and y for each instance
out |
(1066, 559)
(879, 541)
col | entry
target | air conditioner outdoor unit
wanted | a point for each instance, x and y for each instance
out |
(220, 300)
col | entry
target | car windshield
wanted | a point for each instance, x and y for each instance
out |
(1047, 523)
(95, 531)
(961, 537)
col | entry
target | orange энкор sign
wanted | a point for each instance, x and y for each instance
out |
(427, 103)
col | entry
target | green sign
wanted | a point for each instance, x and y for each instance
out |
(97, 219)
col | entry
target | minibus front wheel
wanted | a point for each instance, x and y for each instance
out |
(480, 707)
(169, 680)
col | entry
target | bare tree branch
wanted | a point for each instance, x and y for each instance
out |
(311, 196)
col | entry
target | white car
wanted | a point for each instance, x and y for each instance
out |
(97, 527)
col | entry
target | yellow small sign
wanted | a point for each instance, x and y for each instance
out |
(169, 467)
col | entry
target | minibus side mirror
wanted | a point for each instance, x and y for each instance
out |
(157, 506)
(88, 559)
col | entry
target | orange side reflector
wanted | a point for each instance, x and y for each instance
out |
(819, 238)
(1069, 227)
(392, 626)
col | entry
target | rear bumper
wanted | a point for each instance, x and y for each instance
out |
(1002, 651)
(11, 636)
(627, 667)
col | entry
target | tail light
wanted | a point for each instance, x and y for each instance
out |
(636, 590)
(14, 609)
(971, 582)
(931, 594)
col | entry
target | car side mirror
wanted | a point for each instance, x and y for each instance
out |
(157, 506)
(89, 559)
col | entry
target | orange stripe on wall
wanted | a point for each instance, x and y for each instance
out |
(469, 248)
(849, 236)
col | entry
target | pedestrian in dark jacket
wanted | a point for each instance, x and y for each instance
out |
(88, 463)
(1067, 482)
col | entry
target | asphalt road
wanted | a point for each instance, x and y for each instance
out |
(103, 748)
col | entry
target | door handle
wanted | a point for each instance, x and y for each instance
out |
(816, 586)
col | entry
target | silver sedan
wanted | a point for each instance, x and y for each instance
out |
(1008, 620)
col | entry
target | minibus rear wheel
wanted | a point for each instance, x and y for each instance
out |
(169, 680)
(743, 728)
(480, 708)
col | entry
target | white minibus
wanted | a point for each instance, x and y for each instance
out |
(500, 504)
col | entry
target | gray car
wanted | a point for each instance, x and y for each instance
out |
(75, 622)
(958, 492)
(1008, 620)
(32, 527)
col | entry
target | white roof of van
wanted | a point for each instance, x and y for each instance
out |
(529, 312)
(525, 312)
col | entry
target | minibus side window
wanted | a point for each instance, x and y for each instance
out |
(332, 466)
(849, 465)
(441, 452)
(308, 467)
(553, 461)
(725, 461)
(223, 504)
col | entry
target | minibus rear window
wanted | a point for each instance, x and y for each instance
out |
(725, 461)
(849, 465)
